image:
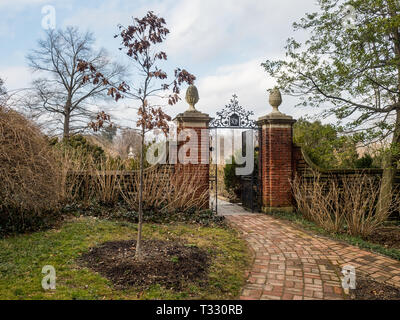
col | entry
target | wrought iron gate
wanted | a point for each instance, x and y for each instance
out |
(213, 178)
(251, 187)
(234, 116)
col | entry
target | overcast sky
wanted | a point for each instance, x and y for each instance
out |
(222, 42)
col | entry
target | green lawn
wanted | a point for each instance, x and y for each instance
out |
(22, 258)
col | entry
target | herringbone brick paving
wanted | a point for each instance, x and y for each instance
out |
(291, 264)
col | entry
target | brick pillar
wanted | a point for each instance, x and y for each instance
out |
(276, 157)
(197, 158)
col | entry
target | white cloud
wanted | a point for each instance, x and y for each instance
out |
(16, 77)
(223, 41)
(105, 18)
(6, 30)
(247, 80)
(21, 4)
(11, 14)
(205, 29)
(232, 36)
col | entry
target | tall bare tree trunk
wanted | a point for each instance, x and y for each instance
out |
(66, 126)
(138, 254)
(67, 119)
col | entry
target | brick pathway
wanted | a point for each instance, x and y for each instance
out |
(293, 264)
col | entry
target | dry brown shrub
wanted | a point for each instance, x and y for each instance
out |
(165, 191)
(29, 170)
(345, 204)
(318, 201)
(360, 197)
(77, 183)
(87, 180)
(107, 182)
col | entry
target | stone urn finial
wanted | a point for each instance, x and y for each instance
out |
(275, 99)
(131, 155)
(192, 97)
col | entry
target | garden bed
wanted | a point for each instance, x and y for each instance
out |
(171, 264)
(121, 212)
(389, 237)
(368, 289)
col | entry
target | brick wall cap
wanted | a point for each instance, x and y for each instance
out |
(276, 118)
(190, 116)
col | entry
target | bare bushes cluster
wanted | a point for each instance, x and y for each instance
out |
(90, 181)
(165, 191)
(29, 173)
(106, 182)
(40, 179)
(77, 185)
(343, 204)
(87, 179)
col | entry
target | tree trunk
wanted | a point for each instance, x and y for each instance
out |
(139, 254)
(66, 126)
(389, 171)
(392, 157)
(385, 193)
(67, 119)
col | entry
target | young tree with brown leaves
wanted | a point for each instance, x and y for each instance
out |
(139, 42)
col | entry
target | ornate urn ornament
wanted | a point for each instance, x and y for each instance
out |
(275, 99)
(192, 97)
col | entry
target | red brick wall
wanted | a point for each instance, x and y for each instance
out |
(201, 170)
(277, 166)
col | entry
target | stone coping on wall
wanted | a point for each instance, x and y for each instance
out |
(193, 119)
(125, 172)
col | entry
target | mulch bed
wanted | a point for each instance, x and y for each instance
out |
(368, 289)
(167, 263)
(388, 237)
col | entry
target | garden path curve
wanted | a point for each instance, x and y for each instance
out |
(293, 264)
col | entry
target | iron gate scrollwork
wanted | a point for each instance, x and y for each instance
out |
(234, 116)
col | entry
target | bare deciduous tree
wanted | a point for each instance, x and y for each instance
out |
(59, 96)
